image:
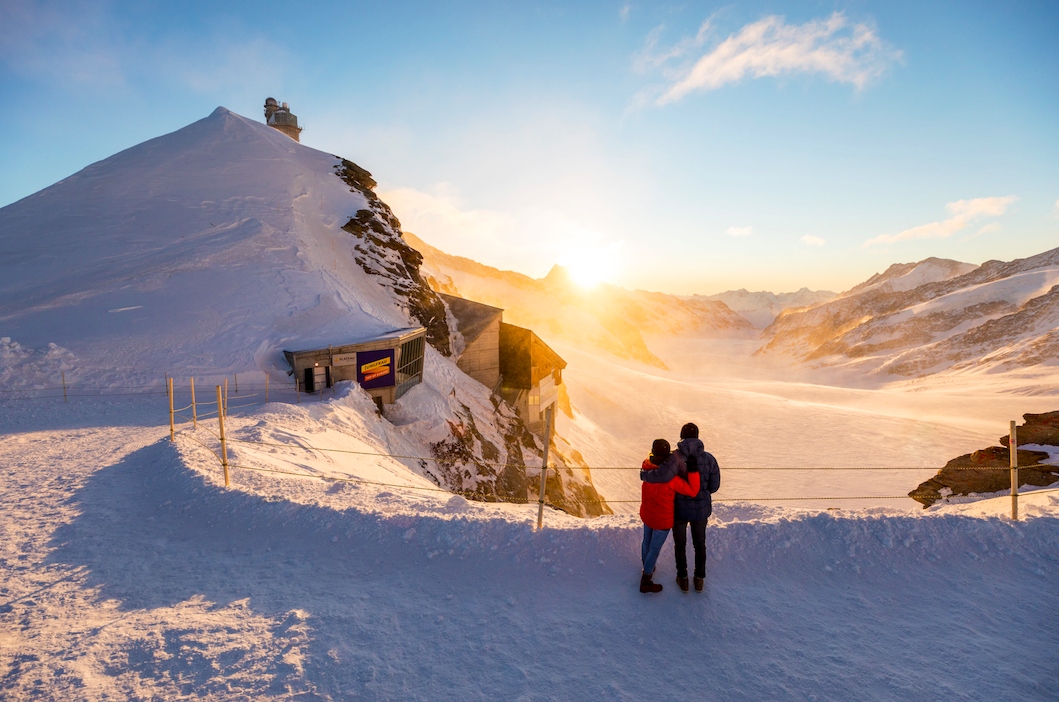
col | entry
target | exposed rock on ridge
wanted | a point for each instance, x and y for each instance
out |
(987, 471)
(384, 253)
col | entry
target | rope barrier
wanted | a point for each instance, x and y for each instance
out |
(520, 465)
(518, 500)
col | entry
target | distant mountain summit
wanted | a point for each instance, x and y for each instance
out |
(921, 318)
(761, 308)
(605, 316)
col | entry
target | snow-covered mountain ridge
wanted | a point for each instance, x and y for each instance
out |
(762, 307)
(209, 251)
(604, 316)
(1000, 314)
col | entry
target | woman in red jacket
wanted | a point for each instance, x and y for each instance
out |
(656, 503)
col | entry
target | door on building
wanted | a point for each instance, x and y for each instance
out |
(317, 378)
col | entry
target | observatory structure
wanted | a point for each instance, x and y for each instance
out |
(279, 117)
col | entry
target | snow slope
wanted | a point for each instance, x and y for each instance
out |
(208, 249)
(132, 574)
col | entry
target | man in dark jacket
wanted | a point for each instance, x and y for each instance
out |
(694, 510)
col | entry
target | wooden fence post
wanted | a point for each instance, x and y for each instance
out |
(544, 466)
(266, 388)
(224, 446)
(226, 396)
(297, 390)
(64, 387)
(194, 409)
(236, 383)
(1014, 449)
(166, 383)
(169, 390)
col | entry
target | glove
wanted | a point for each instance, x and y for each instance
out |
(693, 465)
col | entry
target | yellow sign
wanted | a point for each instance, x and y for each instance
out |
(376, 374)
(375, 364)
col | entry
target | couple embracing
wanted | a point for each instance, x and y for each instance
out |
(675, 495)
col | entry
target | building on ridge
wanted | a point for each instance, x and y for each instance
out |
(511, 361)
(279, 117)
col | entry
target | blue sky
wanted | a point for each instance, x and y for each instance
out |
(687, 148)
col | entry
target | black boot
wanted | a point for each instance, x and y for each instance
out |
(647, 586)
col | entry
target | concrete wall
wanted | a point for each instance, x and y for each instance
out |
(481, 358)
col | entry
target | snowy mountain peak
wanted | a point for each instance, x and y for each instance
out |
(921, 318)
(905, 276)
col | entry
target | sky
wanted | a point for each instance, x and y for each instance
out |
(685, 148)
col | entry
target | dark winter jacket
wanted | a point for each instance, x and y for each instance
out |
(700, 506)
(661, 483)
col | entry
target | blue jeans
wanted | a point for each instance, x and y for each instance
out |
(653, 540)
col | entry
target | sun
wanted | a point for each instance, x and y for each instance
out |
(588, 272)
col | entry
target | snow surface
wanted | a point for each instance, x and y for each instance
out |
(128, 572)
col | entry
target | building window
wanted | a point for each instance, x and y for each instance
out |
(410, 370)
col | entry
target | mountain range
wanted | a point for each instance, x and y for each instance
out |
(922, 318)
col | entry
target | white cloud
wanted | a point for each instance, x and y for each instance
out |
(844, 52)
(624, 12)
(740, 231)
(964, 212)
(810, 240)
(1055, 212)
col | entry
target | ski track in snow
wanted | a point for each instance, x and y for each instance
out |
(128, 572)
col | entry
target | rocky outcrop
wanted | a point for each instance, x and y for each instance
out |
(988, 470)
(470, 463)
(383, 252)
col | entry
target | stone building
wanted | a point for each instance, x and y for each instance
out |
(511, 361)
(279, 117)
(479, 325)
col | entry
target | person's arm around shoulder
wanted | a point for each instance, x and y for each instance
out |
(689, 487)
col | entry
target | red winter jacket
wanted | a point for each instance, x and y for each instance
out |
(656, 502)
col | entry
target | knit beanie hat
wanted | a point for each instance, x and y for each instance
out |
(689, 431)
(660, 449)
